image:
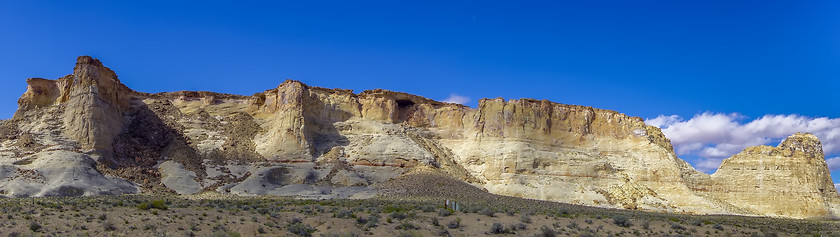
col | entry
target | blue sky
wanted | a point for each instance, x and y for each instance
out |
(722, 64)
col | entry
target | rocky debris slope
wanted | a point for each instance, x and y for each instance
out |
(316, 142)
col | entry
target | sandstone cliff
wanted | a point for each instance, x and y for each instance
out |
(791, 180)
(309, 141)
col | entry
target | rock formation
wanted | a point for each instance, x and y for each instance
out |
(309, 141)
(791, 180)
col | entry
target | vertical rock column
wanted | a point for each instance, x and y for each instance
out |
(94, 105)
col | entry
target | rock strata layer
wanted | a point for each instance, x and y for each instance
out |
(306, 141)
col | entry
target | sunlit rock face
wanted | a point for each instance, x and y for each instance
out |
(306, 141)
(790, 180)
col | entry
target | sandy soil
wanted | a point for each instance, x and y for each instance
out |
(140, 215)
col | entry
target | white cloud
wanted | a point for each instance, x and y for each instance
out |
(457, 99)
(714, 136)
(833, 163)
(663, 121)
(708, 164)
(837, 187)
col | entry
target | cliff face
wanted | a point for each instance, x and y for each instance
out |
(790, 180)
(317, 142)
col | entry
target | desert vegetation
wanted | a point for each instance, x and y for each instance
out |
(271, 216)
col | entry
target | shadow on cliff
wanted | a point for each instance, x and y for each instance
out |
(321, 131)
(148, 139)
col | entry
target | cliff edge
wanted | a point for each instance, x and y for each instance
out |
(88, 134)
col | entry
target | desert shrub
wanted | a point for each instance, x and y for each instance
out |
(159, 204)
(427, 208)
(394, 208)
(108, 226)
(470, 209)
(697, 223)
(487, 212)
(454, 223)
(546, 231)
(677, 226)
(444, 212)
(497, 228)
(572, 225)
(646, 225)
(372, 220)
(622, 221)
(518, 226)
(34, 226)
(397, 215)
(149, 227)
(361, 220)
(511, 212)
(525, 218)
(300, 229)
(345, 214)
(442, 232)
(718, 227)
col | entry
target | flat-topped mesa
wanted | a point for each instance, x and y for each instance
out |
(530, 118)
(324, 138)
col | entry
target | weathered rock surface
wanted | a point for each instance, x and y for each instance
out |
(791, 180)
(316, 142)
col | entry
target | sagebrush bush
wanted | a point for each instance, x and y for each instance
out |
(622, 221)
(487, 212)
(454, 223)
(108, 226)
(497, 228)
(546, 231)
(525, 218)
(345, 214)
(34, 226)
(444, 212)
(300, 229)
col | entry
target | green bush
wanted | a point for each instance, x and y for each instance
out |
(159, 204)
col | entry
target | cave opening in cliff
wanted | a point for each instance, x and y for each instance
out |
(404, 109)
(402, 104)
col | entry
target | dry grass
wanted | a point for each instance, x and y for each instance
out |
(413, 207)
